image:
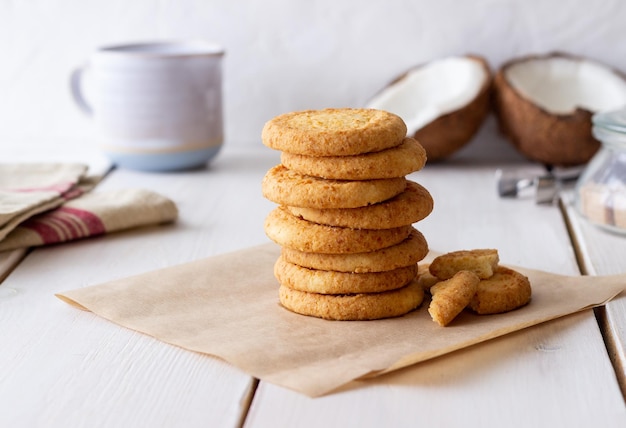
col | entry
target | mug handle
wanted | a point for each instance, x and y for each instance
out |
(76, 79)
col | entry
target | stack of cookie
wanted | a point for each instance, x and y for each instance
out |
(346, 213)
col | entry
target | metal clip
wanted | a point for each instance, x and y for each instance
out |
(545, 187)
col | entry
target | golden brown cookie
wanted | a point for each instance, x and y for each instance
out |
(407, 253)
(410, 206)
(290, 231)
(398, 161)
(506, 290)
(331, 282)
(353, 307)
(481, 261)
(334, 132)
(286, 187)
(451, 296)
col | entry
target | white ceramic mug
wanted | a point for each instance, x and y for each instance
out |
(158, 106)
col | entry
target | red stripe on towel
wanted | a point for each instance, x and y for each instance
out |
(57, 187)
(65, 224)
(46, 232)
(72, 193)
(92, 222)
(68, 227)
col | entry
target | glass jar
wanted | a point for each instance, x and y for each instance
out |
(601, 188)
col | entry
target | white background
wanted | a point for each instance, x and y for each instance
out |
(282, 55)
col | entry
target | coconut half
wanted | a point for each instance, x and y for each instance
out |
(544, 105)
(443, 102)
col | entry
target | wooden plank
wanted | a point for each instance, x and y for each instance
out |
(555, 374)
(604, 253)
(516, 381)
(64, 367)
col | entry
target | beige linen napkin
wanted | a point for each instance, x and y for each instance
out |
(92, 214)
(27, 189)
(227, 306)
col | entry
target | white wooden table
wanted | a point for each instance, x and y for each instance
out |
(60, 367)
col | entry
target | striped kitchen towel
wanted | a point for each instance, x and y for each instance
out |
(92, 214)
(27, 189)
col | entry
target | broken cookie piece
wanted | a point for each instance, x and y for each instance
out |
(481, 261)
(451, 296)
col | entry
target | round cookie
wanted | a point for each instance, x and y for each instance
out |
(398, 161)
(286, 187)
(410, 206)
(407, 253)
(506, 290)
(353, 307)
(334, 132)
(290, 231)
(331, 282)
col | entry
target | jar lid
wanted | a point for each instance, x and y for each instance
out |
(614, 120)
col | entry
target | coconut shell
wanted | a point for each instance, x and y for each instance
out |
(449, 133)
(552, 139)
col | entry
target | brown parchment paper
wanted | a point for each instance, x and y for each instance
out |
(227, 306)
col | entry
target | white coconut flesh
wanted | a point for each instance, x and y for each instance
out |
(432, 90)
(559, 85)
